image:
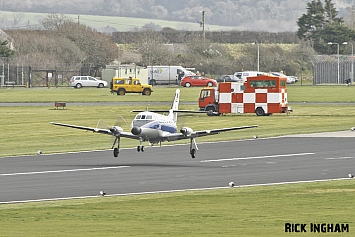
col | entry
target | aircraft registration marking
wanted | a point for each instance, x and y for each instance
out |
(64, 171)
(257, 157)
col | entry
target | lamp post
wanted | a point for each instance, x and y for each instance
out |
(352, 62)
(258, 56)
(330, 43)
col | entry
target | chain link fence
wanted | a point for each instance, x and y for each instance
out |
(15, 74)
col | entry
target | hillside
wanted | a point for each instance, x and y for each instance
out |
(253, 15)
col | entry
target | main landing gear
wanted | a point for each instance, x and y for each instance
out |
(116, 150)
(193, 147)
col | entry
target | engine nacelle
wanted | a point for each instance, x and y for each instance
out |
(186, 131)
(136, 130)
(116, 130)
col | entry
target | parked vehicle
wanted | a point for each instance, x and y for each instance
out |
(227, 78)
(165, 75)
(197, 81)
(245, 74)
(289, 79)
(121, 86)
(85, 81)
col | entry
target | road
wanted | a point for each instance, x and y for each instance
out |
(248, 162)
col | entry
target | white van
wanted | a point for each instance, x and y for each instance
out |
(243, 75)
(159, 75)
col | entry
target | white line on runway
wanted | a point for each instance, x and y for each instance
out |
(174, 191)
(63, 171)
(340, 158)
(257, 157)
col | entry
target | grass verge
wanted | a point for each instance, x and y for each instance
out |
(244, 211)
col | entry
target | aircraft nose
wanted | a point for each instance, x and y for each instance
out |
(136, 130)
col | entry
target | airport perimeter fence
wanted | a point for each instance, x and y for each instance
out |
(333, 69)
(58, 75)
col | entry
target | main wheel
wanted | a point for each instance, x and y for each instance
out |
(78, 86)
(115, 152)
(193, 153)
(259, 111)
(188, 84)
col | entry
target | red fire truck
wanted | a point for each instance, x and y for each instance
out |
(262, 95)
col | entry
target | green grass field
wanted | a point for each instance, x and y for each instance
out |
(244, 211)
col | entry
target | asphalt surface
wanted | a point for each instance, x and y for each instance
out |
(162, 169)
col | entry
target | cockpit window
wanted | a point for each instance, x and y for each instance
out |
(144, 117)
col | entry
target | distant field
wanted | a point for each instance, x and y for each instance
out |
(101, 22)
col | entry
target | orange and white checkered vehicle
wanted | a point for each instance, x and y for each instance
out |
(262, 95)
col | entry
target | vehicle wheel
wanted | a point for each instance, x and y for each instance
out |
(147, 92)
(78, 86)
(259, 111)
(210, 110)
(100, 85)
(188, 84)
(193, 153)
(121, 92)
(210, 84)
(153, 82)
(115, 152)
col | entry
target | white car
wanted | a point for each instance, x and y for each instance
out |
(84, 81)
(289, 79)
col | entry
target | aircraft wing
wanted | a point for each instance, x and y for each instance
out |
(194, 134)
(97, 130)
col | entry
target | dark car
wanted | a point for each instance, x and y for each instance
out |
(227, 78)
(197, 81)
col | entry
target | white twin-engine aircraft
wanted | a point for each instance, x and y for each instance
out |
(149, 126)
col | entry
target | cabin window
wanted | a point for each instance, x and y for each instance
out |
(263, 83)
(205, 93)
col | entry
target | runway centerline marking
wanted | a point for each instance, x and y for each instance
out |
(64, 171)
(257, 157)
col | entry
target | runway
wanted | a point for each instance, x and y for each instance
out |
(160, 169)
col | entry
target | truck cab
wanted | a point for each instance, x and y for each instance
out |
(121, 86)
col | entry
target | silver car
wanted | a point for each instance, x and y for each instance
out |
(84, 81)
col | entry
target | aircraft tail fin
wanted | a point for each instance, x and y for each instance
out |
(174, 106)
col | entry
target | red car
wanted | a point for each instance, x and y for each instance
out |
(197, 81)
